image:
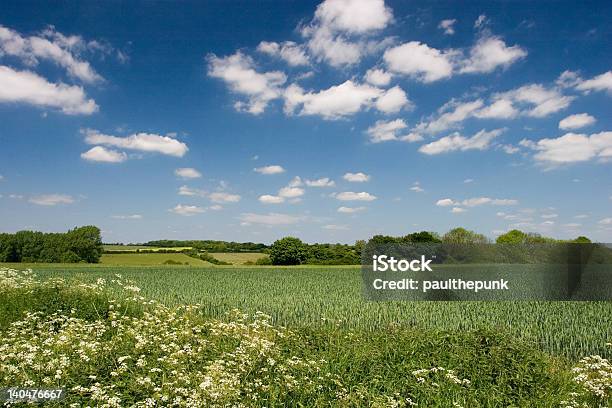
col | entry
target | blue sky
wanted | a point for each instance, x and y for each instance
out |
(330, 121)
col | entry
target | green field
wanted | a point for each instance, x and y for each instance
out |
(316, 296)
(238, 258)
(149, 259)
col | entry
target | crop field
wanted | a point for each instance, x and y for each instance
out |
(149, 259)
(238, 258)
(324, 296)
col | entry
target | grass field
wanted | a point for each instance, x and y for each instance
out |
(238, 258)
(149, 259)
(318, 296)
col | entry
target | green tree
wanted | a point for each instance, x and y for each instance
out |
(288, 251)
(512, 237)
(463, 236)
(582, 240)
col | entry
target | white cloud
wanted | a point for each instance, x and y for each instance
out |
(322, 182)
(383, 131)
(509, 149)
(378, 77)
(215, 207)
(51, 199)
(192, 192)
(477, 201)
(52, 46)
(448, 26)
(271, 199)
(291, 192)
(187, 210)
(356, 177)
(352, 196)
(269, 219)
(481, 21)
(272, 169)
(27, 87)
(500, 109)
(145, 142)
(489, 53)
(540, 101)
(445, 202)
(458, 210)
(102, 154)
(605, 221)
(294, 54)
(223, 197)
(238, 72)
(127, 217)
(468, 180)
(417, 189)
(419, 61)
(393, 100)
(449, 116)
(187, 173)
(334, 20)
(350, 210)
(335, 102)
(577, 121)
(454, 142)
(602, 82)
(571, 148)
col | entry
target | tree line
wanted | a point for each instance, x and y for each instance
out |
(82, 244)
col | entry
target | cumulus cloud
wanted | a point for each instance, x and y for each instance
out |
(476, 201)
(448, 26)
(392, 101)
(271, 199)
(223, 197)
(187, 210)
(52, 46)
(272, 219)
(272, 169)
(187, 173)
(191, 192)
(479, 141)
(491, 52)
(378, 77)
(352, 196)
(538, 100)
(449, 116)
(239, 73)
(335, 102)
(602, 82)
(576, 121)
(292, 53)
(571, 148)
(144, 142)
(350, 210)
(51, 199)
(331, 36)
(356, 177)
(30, 88)
(322, 182)
(500, 109)
(458, 210)
(419, 61)
(383, 131)
(102, 154)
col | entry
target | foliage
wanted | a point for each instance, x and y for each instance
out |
(288, 251)
(82, 244)
(463, 236)
(209, 245)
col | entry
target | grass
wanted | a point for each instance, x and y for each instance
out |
(329, 296)
(149, 259)
(238, 258)
(113, 347)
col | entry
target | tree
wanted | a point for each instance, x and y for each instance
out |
(288, 251)
(423, 236)
(463, 236)
(582, 240)
(512, 237)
